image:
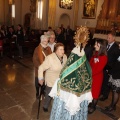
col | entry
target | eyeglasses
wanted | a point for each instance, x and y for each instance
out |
(52, 38)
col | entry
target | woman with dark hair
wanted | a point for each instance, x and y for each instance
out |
(97, 62)
(52, 66)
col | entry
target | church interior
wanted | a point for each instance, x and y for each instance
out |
(17, 85)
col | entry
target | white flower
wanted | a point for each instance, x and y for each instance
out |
(96, 60)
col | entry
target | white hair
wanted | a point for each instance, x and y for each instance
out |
(49, 33)
(43, 37)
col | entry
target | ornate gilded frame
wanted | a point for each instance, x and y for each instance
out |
(66, 6)
(89, 9)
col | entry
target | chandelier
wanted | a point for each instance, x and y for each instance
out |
(67, 4)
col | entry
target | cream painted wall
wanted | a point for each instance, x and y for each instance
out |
(6, 12)
(23, 6)
(90, 22)
(60, 11)
(4, 9)
(18, 12)
(70, 13)
(65, 20)
(44, 24)
(25, 9)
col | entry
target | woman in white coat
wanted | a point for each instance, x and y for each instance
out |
(52, 66)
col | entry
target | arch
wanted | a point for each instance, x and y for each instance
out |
(64, 19)
(27, 20)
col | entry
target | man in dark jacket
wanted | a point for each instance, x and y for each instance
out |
(20, 39)
(113, 54)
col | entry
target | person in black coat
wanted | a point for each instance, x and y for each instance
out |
(20, 40)
(11, 42)
(113, 54)
(10, 33)
(62, 29)
(69, 37)
(59, 36)
(114, 83)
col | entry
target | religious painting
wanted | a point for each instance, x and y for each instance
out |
(33, 6)
(66, 4)
(89, 9)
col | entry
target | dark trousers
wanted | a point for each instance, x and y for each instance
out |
(20, 50)
(105, 88)
(47, 97)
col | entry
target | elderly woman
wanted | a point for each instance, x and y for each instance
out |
(71, 91)
(40, 52)
(52, 65)
(51, 43)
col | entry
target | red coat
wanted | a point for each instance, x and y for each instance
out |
(97, 65)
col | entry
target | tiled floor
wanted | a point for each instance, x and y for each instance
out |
(17, 93)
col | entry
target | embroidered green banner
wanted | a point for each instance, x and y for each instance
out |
(75, 76)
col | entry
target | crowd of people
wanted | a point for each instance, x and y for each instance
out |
(13, 39)
(87, 65)
(20, 35)
(76, 83)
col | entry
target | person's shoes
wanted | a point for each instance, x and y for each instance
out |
(91, 110)
(90, 104)
(45, 109)
(107, 107)
(103, 98)
(110, 108)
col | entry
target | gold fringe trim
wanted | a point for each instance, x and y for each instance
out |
(76, 93)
